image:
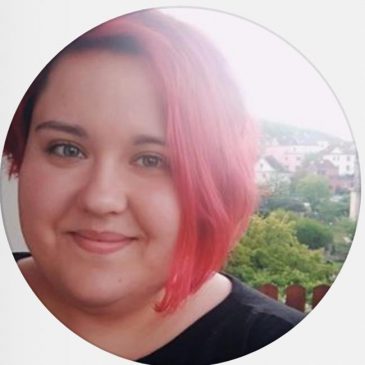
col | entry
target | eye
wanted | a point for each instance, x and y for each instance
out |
(151, 161)
(66, 150)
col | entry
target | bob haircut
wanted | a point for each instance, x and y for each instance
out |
(211, 139)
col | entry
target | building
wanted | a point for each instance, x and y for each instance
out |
(292, 156)
(270, 174)
(343, 157)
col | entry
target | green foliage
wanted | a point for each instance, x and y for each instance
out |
(348, 227)
(282, 202)
(279, 186)
(343, 232)
(271, 253)
(329, 211)
(313, 189)
(313, 233)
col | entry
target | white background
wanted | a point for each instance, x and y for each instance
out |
(331, 34)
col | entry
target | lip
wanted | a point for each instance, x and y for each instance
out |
(101, 243)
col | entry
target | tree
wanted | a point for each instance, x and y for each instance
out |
(271, 253)
(343, 231)
(314, 189)
(288, 203)
(330, 211)
(313, 233)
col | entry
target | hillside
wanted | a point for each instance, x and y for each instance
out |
(287, 134)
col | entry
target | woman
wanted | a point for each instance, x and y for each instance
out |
(135, 161)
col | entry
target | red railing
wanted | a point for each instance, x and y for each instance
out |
(295, 295)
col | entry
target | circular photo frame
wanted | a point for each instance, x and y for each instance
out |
(168, 184)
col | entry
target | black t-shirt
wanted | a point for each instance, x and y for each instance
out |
(245, 321)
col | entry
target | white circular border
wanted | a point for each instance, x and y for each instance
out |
(328, 33)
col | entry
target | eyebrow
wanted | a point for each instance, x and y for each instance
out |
(81, 132)
(62, 127)
(145, 139)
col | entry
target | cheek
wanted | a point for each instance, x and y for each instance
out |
(160, 213)
(44, 195)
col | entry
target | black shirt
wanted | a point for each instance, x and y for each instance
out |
(245, 321)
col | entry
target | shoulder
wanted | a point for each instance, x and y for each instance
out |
(243, 322)
(257, 319)
(258, 303)
(21, 255)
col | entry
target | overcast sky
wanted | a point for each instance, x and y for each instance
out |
(277, 82)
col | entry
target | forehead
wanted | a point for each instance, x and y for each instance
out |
(100, 84)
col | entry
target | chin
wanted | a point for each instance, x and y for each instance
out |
(93, 298)
(96, 293)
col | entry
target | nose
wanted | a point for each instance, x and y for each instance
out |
(104, 192)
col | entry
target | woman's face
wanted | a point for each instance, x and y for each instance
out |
(97, 204)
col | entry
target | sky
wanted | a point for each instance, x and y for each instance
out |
(277, 82)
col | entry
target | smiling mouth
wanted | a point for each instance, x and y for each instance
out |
(101, 243)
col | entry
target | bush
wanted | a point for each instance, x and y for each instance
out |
(313, 234)
(271, 253)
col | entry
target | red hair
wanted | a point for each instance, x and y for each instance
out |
(211, 138)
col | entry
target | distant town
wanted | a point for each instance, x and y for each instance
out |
(290, 152)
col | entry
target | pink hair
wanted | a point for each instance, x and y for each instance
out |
(211, 138)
